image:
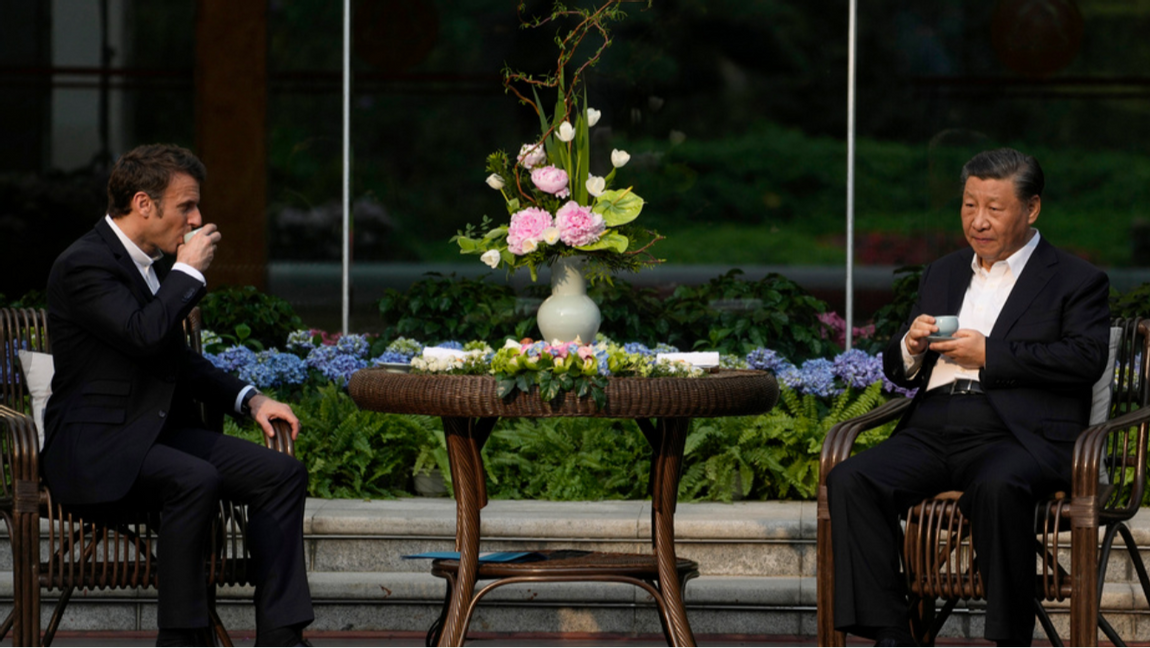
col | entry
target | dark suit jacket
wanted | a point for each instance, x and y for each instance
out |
(123, 368)
(1048, 347)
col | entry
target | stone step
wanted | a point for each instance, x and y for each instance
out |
(757, 562)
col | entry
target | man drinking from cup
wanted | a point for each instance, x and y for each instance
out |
(1000, 403)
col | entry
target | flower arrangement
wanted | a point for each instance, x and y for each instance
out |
(557, 205)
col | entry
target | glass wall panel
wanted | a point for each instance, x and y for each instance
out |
(82, 81)
(733, 113)
(1063, 80)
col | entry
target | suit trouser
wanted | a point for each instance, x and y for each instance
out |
(185, 475)
(950, 443)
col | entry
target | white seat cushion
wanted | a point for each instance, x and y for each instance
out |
(38, 370)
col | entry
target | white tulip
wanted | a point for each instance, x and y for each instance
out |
(510, 344)
(593, 116)
(529, 245)
(566, 132)
(491, 258)
(596, 185)
(551, 234)
(620, 158)
(494, 181)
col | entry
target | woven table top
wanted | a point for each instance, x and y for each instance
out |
(723, 393)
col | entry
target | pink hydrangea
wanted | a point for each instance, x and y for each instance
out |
(532, 155)
(578, 225)
(550, 180)
(527, 225)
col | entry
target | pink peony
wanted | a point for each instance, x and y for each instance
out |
(550, 180)
(527, 227)
(532, 155)
(578, 225)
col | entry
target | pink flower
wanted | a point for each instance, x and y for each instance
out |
(550, 180)
(526, 229)
(586, 351)
(558, 351)
(532, 155)
(578, 225)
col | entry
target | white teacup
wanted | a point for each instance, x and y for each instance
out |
(189, 235)
(947, 324)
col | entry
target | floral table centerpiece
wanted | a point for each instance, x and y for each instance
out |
(561, 214)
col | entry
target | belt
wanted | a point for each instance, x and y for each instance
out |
(961, 386)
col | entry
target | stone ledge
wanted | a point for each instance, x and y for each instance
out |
(614, 520)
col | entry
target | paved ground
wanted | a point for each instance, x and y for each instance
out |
(407, 640)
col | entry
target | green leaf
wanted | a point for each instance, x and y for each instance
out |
(618, 206)
(609, 241)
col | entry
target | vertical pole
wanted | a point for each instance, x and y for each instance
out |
(346, 164)
(851, 74)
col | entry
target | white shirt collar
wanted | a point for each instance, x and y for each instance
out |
(1017, 261)
(139, 256)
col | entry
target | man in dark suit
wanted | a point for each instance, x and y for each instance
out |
(998, 407)
(122, 430)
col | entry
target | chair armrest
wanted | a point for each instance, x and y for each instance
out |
(1087, 466)
(282, 441)
(841, 438)
(21, 479)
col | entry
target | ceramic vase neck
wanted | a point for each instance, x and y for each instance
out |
(567, 276)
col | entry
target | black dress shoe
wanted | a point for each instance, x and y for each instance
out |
(895, 637)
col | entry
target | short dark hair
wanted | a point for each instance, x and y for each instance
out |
(1007, 164)
(149, 168)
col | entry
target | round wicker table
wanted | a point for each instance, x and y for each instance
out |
(469, 407)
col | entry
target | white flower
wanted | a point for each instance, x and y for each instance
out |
(566, 132)
(532, 155)
(529, 245)
(551, 234)
(596, 185)
(491, 258)
(620, 158)
(510, 344)
(593, 116)
(494, 181)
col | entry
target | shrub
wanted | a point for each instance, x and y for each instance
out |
(244, 315)
(441, 308)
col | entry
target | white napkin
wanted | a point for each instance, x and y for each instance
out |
(701, 359)
(443, 352)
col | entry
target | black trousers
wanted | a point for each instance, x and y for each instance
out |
(184, 476)
(950, 443)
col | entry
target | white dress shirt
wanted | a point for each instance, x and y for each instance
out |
(144, 262)
(984, 299)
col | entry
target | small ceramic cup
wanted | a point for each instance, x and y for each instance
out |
(947, 324)
(189, 235)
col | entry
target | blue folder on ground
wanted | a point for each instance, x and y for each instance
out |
(490, 556)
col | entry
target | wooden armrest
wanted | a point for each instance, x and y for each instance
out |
(1087, 466)
(282, 441)
(22, 483)
(841, 438)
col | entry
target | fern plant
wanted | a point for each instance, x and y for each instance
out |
(772, 456)
(567, 459)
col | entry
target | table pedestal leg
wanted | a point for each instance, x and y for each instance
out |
(667, 463)
(465, 438)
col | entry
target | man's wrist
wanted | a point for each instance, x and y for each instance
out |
(246, 402)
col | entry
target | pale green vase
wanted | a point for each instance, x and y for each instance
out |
(568, 313)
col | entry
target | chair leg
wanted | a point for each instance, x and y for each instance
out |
(216, 625)
(57, 615)
(9, 621)
(1047, 624)
(436, 628)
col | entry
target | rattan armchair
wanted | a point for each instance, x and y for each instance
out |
(55, 551)
(1074, 532)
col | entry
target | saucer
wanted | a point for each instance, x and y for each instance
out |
(940, 338)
